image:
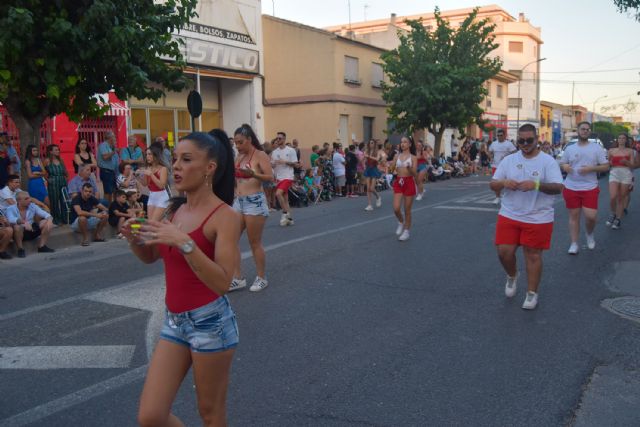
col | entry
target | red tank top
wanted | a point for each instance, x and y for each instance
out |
(185, 291)
(152, 184)
(616, 161)
(239, 173)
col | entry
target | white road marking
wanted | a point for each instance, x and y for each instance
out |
(100, 324)
(40, 412)
(468, 208)
(66, 357)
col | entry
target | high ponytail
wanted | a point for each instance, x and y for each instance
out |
(224, 179)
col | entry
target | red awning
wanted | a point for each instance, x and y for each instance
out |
(116, 106)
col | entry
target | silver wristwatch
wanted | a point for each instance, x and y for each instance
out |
(188, 247)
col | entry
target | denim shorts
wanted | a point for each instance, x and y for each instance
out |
(207, 329)
(92, 223)
(253, 204)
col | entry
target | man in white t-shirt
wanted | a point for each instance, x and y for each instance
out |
(582, 161)
(8, 194)
(283, 160)
(498, 150)
(530, 179)
(339, 172)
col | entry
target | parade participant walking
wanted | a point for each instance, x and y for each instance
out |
(421, 155)
(582, 161)
(283, 159)
(198, 246)
(404, 186)
(529, 179)
(374, 159)
(622, 160)
(156, 177)
(498, 150)
(252, 168)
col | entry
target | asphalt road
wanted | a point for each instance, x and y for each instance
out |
(355, 329)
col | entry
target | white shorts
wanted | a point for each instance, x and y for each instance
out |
(158, 199)
(622, 175)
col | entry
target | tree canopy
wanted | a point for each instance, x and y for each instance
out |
(631, 6)
(436, 79)
(56, 55)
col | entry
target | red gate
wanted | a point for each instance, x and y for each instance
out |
(7, 125)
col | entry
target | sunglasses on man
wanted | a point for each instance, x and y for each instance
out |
(526, 141)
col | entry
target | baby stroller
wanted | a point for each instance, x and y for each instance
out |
(297, 196)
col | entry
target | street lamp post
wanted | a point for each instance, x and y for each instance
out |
(593, 113)
(519, 100)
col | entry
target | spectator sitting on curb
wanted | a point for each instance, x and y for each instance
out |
(83, 177)
(6, 234)
(119, 211)
(29, 222)
(135, 207)
(8, 194)
(89, 214)
(127, 180)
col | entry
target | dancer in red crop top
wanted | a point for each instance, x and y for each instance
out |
(156, 177)
(253, 167)
(200, 327)
(622, 160)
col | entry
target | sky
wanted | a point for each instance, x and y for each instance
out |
(584, 41)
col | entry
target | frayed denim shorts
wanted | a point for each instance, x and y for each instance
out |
(253, 204)
(207, 329)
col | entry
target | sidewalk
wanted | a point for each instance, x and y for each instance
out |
(61, 237)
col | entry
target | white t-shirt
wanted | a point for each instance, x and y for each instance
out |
(338, 164)
(5, 194)
(578, 156)
(287, 154)
(533, 207)
(499, 150)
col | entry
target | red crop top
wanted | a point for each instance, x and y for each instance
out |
(243, 175)
(616, 161)
(152, 184)
(185, 291)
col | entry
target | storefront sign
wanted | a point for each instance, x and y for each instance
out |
(199, 52)
(208, 30)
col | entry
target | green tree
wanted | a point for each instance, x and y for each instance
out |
(436, 78)
(632, 6)
(56, 55)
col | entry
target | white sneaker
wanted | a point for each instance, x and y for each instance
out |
(399, 229)
(496, 201)
(378, 201)
(530, 301)
(368, 208)
(259, 284)
(419, 197)
(511, 286)
(591, 242)
(404, 236)
(284, 220)
(289, 219)
(237, 284)
(573, 249)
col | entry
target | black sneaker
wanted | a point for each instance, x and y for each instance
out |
(4, 255)
(46, 249)
(616, 224)
(21, 253)
(609, 222)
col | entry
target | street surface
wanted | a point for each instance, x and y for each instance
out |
(355, 329)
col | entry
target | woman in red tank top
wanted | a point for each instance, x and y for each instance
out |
(622, 160)
(156, 177)
(200, 328)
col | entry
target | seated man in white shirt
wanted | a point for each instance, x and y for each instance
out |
(29, 222)
(8, 194)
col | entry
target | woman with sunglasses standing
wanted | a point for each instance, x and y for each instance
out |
(198, 245)
(404, 165)
(252, 169)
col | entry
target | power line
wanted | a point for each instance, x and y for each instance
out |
(588, 72)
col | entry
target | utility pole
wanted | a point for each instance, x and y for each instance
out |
(349, 6)
(573, 114)
(366, 6)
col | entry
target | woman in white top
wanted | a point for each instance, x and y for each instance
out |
(156, 177)
(404, 165)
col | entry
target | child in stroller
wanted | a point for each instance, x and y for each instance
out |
(313, 191)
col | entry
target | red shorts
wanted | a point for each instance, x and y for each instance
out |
(405, 185)
(581, 199)
(512, 232)
(284, 185)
